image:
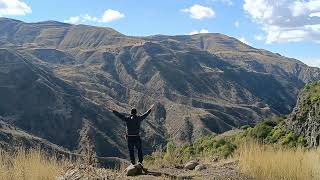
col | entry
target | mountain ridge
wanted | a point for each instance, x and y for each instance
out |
(201, 84)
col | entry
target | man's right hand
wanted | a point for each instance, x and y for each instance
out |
(152, 107)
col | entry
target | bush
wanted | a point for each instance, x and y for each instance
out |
(271, 131)
(302, 141)
(244, 127)
(261, 131)
(275, 135)
(214, 147)
(170, 154)
(226, 150)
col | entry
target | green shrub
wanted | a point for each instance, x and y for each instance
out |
(268, 131)
(170, 152)
(187, 153)
(261, 131)
(309, 96)
(245, 127)
(271, 131)
(288, 138)
(226, 150)
(302, 141)
(275, 135)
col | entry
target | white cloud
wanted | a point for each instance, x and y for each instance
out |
(14, 8)
(259, 37)
(316, 14)
(199, 12)
(199, 32)
(242, 39)
(286, 20)
(237, 24)
(111, 15)
(87, 17)
(73, 20)
(108, 16)
(313, 62)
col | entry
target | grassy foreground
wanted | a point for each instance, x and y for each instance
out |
(267, 162)
(29, 165)
(256, 160)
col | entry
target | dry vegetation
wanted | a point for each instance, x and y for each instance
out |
(31, 164)
(266, 162)
(256, 160)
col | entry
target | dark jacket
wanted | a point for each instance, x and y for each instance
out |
(133, 122)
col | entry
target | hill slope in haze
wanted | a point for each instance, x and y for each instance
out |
(60, 78)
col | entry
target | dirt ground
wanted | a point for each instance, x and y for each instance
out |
(222, 170)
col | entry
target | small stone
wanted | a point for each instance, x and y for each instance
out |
(134, 170)
(191, 165)
(72, 174)
(131, 170)
(200, 167)
(215, 159)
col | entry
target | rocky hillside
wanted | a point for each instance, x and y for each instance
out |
(57, 79)
(305, 119)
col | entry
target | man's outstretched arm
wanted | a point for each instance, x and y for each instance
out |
(147, 113)
(119, 115)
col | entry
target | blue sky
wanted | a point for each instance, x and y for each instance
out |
(288, 27)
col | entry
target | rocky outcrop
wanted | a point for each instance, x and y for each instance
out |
(305, 119)
(191, 165)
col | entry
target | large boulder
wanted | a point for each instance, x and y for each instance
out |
(200, 167)
(134, 170)
(191, 165)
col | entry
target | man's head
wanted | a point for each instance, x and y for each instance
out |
(133, 111)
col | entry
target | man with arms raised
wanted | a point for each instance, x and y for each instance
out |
(133, 123)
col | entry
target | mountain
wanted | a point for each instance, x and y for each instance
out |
(305, 119)
(58, 79)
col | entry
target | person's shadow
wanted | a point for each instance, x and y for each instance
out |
(170, 176)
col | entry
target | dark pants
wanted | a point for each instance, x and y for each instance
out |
(135, 141)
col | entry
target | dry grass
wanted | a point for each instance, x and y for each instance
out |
(265, 162)
(29, 165)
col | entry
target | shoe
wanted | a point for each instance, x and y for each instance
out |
(145, 170)
(140, 164)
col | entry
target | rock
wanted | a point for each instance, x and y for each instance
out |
(134, 170)
(200, 167)
(131, 170)
(305, 118)
(87, 173)
(72, 174)
(215, 159)
(191, 165)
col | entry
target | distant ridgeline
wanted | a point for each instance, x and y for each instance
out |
(58, 80)
(305, 118)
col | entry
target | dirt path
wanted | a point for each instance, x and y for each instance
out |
(221, 170)
(216, 171)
